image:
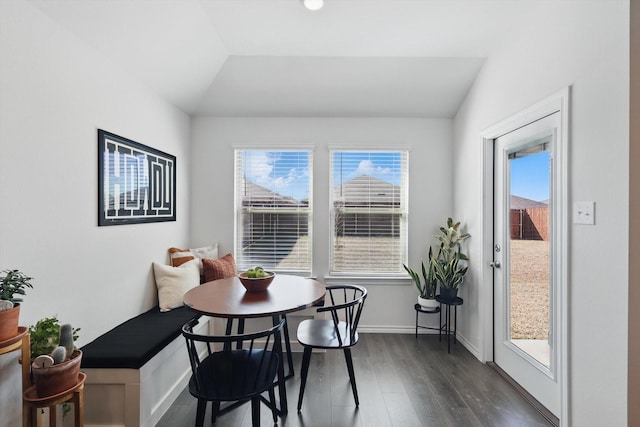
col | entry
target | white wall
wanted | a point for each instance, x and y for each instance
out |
(585, 45)
(389, 307)
(55, 93)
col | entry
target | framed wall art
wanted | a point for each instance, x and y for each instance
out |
(136, 183)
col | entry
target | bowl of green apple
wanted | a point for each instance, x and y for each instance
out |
(256, 279)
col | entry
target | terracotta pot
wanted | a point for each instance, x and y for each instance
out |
(9, 322)
(57, 378)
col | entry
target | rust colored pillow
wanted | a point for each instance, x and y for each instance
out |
(220, 268)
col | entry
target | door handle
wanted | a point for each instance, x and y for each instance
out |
(494, 264)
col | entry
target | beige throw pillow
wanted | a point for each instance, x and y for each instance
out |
(174, 282)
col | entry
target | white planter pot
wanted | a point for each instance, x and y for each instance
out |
(429, 304)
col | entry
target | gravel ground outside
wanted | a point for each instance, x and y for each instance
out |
(529, 289)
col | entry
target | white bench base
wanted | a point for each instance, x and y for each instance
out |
(138, 397)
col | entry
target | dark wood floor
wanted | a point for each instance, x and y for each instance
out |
(401, 382)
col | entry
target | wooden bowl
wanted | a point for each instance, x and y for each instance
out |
(252, 284)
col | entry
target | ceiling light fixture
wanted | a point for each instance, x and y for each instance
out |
(313, 4)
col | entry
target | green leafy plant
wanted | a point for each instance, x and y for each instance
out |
(44, 336)
(426, 289)
(12, 283)
(448, 270)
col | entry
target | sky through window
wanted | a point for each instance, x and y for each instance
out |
(530, 176)
(282, 172)
(383, 165)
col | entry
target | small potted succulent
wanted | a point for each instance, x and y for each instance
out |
(12, 285)
(55, 361)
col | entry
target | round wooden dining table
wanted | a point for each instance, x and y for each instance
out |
(227, 298)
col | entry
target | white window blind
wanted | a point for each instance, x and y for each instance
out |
(368, 211)
(273, 210)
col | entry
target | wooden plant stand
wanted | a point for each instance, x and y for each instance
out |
(74, 395)
(20, 342)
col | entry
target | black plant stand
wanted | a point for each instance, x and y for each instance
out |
(446, 327)
(420, 309)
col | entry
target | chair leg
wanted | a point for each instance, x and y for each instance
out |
(306, 358)
(272, 398)
(215, 409)
(255, 411)
(352, 376)
(202, 407)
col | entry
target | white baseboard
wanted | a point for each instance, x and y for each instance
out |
(467, 344)
(382, 329)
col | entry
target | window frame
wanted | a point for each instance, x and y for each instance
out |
(240, 211)
(399, 275)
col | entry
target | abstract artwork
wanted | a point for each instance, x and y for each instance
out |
(136, 183)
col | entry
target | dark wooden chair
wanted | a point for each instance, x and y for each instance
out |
(344, 303)
(233, 375)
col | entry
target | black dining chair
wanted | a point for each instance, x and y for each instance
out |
(233, 374)
(344, 303)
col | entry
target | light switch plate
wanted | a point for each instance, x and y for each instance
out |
(584, 213)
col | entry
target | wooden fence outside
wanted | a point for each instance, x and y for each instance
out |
(530, 224)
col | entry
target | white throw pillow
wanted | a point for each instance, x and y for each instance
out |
(179, 256)
(209, 252)
(174, 282)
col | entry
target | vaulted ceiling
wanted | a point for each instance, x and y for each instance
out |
(353, 58)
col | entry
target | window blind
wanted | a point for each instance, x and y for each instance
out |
(273, 210)
(368, 202)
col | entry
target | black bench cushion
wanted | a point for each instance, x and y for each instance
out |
(136, 341)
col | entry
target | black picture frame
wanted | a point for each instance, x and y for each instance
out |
(136, 183)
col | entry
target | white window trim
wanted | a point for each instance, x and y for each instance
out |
(239, 210)
(382, 277)
(373, 279)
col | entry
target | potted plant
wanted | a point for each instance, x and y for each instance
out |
(55, 362)
(426, 289)
(448, 269)
(12, 284)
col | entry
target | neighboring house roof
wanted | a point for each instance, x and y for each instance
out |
(518, 202)
(368, 191)
(257, 195)
(363, 190)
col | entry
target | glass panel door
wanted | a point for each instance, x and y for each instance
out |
(525, 328)
(529, 267)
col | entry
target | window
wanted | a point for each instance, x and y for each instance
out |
(368, 211)
(273, 210)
